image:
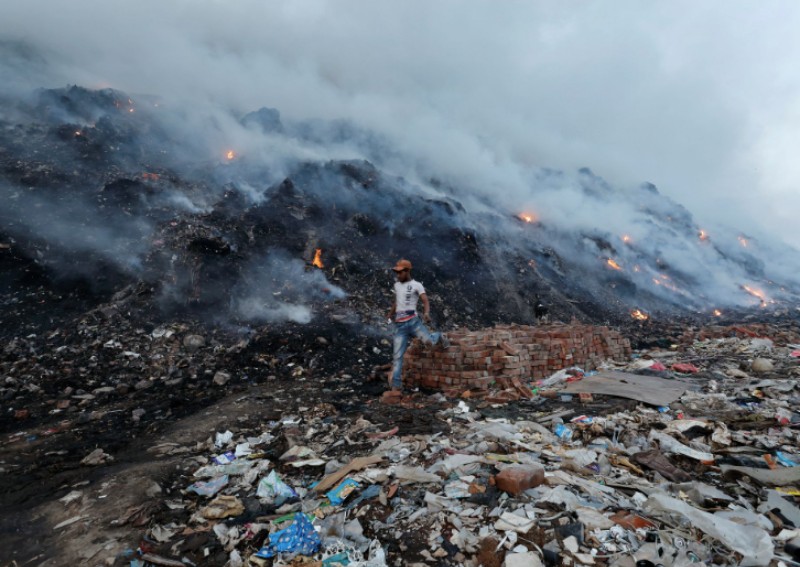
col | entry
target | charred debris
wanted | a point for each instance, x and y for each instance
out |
(158, 289)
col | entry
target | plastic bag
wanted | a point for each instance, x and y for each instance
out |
(209, 488)
(223, 439)
(300, 537)
(753, 543)
(225, 458)
(273, 488)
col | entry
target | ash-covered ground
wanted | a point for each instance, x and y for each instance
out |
(153, 295)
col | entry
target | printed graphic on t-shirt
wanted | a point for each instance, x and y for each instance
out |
(407, 294)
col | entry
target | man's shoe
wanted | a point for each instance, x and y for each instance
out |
(444, 341)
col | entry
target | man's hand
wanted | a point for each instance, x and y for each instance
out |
(426, 317)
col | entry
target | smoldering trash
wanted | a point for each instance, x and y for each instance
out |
(195, 358)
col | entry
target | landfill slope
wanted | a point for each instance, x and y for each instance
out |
(193, 365)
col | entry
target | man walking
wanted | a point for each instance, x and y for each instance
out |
(407, 324)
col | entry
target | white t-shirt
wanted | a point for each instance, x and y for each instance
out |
(407, 294)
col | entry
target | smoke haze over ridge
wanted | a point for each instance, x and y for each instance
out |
(700, 100)
(491, 101)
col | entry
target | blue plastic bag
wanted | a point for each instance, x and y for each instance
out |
(300, 537)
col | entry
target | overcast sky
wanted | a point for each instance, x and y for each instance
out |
(700, 98)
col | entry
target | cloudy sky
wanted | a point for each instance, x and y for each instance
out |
(700, 98)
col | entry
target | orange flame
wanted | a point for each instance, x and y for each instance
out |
(743, 241)
(613, 264)
(639, 315)
(626, 239)
(703, 235)
(756, 293)
(318, 258)
(230, 155)
(527, 217)
(717, 313)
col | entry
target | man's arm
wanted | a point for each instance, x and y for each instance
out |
(392, 311)
(426, 307)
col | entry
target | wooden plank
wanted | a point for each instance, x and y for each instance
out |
(651, 390)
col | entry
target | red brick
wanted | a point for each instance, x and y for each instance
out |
(517, 479)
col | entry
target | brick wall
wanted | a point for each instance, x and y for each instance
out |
(510, 355)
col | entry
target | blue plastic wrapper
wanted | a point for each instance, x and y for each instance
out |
(300, 537)
(369, 492)
(783, 459)
(341, 492)
(563, 432)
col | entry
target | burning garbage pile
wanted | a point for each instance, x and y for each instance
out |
(102, 191)
(189, 342)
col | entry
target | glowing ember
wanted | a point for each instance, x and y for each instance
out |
(743, 241)
(639, 315)
(717, 313)
(626, 239)
(703, 235)
(318, 258)
(612, 264)
(532, 264)
(527, 217)
(230, 155)
(77, 132)
(130, 110)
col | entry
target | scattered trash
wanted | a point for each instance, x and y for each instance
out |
(274, 489)
(617, 469)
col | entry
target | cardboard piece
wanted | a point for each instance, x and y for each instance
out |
(651, 390)
(355, 465)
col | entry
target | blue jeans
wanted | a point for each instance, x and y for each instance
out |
(403, 333)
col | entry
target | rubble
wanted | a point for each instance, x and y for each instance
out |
(704, 492)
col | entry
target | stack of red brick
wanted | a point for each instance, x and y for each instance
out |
(510, 356)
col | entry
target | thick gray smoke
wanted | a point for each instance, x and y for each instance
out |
(282, 289)
(699, 99)
(484, 101)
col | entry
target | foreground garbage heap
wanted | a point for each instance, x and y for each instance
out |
(710, 479)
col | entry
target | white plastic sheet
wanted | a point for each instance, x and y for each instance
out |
(753, 543)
